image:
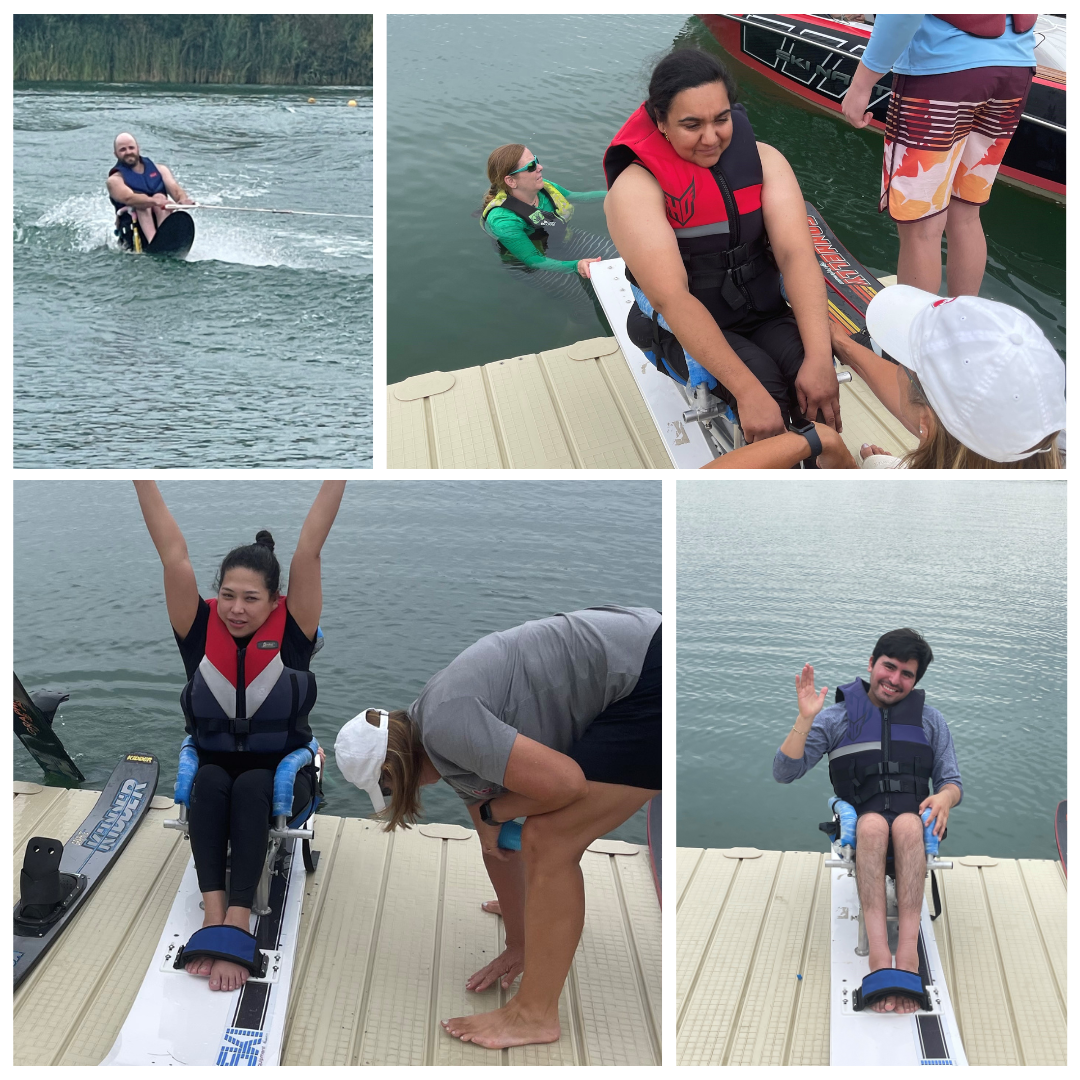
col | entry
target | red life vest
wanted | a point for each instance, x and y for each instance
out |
(715, 215)
(244, 697)
(988, 26)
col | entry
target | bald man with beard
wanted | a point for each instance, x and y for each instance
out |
(140, 188)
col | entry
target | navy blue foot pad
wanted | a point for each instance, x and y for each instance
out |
(224, 943)
(891, 982)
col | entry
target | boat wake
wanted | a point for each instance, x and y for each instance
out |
(84, 223)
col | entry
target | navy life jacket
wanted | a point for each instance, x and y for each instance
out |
(715, 214)
(148, 182)
(884, 760)
(244, 698)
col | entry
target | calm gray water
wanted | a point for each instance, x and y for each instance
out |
(413, 572)
(256, 349)
(773, 573)
(458, 86)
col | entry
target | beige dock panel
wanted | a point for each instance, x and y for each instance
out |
(571, 408)
(866, 420)
(391, 929)
(750, 922)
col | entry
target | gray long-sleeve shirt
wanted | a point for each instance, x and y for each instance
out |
(830, 726)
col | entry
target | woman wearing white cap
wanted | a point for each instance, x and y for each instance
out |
(557, 721)
(975, 381)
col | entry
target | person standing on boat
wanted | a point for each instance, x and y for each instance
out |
(140, 189)
(232, 795)
(885, 745)
(959, 87)
(527, 214)
(708, 219)
(557, 721)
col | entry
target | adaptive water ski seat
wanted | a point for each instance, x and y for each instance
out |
(281, 829)
(224, 943)
(890, 982)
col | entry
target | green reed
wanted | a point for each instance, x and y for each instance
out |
(295, 50)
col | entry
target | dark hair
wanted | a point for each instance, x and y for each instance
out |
(682, 70)
(906, 644)
(259, 557)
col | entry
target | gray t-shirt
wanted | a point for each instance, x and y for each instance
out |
(547, 679)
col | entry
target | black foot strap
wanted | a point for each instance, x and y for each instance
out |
(891, 982)
(224, 943)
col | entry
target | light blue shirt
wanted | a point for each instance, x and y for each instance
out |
(927, 45)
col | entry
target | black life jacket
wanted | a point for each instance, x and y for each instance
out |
(148, 182)
(245, 698)
(715, 214)
(988, 26)
(545, 226)
(884, 761)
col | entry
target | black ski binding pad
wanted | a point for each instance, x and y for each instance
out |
(44, 892)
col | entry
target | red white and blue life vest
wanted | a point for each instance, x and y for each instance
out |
(148, 182)
(244, 698)
(715, 214)
(884, 761)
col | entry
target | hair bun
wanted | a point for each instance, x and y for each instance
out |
(264, 539)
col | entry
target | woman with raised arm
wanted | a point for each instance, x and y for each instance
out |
(246, 653)
(557, 721)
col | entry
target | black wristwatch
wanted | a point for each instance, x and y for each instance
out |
(809, 433)
(485, 813)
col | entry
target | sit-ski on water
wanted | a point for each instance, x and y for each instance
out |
(176, 1019)
(858, 1035)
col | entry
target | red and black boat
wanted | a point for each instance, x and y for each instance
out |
(815, 57)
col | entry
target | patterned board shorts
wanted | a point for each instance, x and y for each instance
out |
(945, 136)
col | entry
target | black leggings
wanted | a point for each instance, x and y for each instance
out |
(225, 808)
(770, 346)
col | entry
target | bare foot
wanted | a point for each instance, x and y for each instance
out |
(227, 976)
(199, 967)
(491, 907)
(503, 1027)
(872, 449)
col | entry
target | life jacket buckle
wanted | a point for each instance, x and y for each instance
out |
(240, 726)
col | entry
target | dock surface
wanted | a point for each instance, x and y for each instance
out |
(391, 929)
(750, 922)
(572, 408)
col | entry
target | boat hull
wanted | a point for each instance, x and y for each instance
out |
(1034, 161)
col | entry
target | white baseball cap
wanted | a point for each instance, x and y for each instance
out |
(360, 752)
(989, 373)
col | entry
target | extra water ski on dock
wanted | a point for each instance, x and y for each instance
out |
(90, 852)
(35, 732)
(178, 1020)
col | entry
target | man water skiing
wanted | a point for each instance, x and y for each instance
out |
(140, 190)
(885, 745)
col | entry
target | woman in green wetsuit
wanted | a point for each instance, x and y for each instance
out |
(527, 214)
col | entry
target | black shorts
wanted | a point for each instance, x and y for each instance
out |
(624, 744)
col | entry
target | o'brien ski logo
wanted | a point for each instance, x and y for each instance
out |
(112, 825)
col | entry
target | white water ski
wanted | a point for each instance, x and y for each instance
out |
(177, 1020)
(686, 444)
(870, 1038)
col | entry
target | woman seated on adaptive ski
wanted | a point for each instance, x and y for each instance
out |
(528, 215)
(708, 219)
(557, 721)
(232, 795)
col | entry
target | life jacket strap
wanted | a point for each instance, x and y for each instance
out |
(728, 270)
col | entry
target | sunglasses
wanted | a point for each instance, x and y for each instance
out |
(531, 167)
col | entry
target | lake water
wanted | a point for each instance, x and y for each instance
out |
(458, 86)
(774, 573)
(413, 572)
(253, 351)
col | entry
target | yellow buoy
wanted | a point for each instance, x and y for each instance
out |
(352, 104)
(311, 101)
